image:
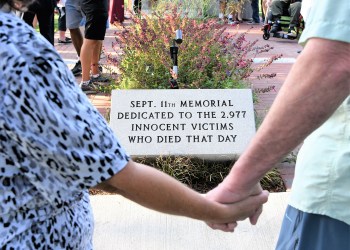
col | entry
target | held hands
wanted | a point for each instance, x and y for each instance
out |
(232, 211)
(248, 201)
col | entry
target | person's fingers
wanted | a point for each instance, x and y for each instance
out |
(254, 218)
(249, 206)
(225, 227)
(231, 226)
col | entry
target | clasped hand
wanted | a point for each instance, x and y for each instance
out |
(244, 203)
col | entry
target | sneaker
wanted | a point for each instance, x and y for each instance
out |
(230, 21)
(292, 32)
(276, 27)
(88, 88)
(102, 55)
(99, 79)
(65, 41)
(252, 22)
(76, 70)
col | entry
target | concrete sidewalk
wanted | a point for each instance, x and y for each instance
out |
(124, 225)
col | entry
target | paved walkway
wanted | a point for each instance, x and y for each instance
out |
(124, 225)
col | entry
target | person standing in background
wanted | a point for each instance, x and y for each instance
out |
(74, 17)
(62, 23)
(44, 10)
(255, 14)
(116, 11)
(96, 13)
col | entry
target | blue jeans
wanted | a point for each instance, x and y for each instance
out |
(255, 9)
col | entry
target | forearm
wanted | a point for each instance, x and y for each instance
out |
(316, 85)
(158, 191)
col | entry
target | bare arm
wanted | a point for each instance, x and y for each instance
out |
(156, 190)
(316, 85)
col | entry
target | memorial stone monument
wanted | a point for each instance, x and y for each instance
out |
(205, 123)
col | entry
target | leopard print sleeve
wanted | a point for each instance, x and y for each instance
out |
(54, 145)
(49, 129)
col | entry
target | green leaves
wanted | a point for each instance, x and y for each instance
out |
(208, 57)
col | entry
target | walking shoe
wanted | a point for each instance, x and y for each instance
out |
(76, 70)
(252, 22)
(65, 41)
(99, 78)
(100, 68)
(230, 19)
(292, 32)
(276, 27)
(88, 87)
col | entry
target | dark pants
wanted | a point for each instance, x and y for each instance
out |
(44, 10)
(279, 8)
(137, 6)
(62, 19)
(255, 9)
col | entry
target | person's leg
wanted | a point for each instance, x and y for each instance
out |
(95, 29)
(73, 18)
(28, 17)
(255, 9)
(89, 55)
(46, 24)
(77, 39)
(230, 9)
(45, 14)
(95, 67)
(302, 230)
(62, 28)
(274, 14)
(222, 9)
(276, 9)
(294, 11)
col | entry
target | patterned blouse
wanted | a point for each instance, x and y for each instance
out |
(54, 145)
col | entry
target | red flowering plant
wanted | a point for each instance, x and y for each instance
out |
(208, 57)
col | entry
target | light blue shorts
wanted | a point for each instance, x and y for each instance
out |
(305, 231)
(74, 15)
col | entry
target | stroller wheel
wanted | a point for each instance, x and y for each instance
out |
(266, 36)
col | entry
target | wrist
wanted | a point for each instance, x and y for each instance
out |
(243, 178)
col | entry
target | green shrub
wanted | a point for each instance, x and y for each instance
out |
(209, 57)
(202, 175)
